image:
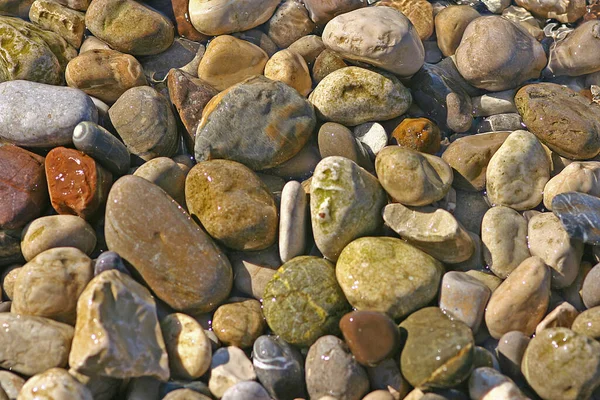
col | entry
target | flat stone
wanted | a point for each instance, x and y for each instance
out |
(239, 323)
(53, 16)
(450, 25)
(578, 213)
(336, 140)
(11, 384)
(153, 234)
(22, 186)
(377, 274)
(117, 332)
(321, 12)
(32, 345)
(102, 146)
(24, 103)
(486, 383)
(419, 134)
(494, 103)
(290, 68)
(562, 316)
(464, 297)
(166, 174)
(303, 301)
(582, 177)
(587, 323)
(564, 59)
(259, 133)
(55, 383)
(511, 348)
(77, 184)
(590, 289)
(289, 23)
(217, 17)
(500, 123)
(419, 12)
(293, 221)
(228, 367)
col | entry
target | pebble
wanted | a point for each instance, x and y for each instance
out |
(77, 184)
(252, 270)
(185, 394)
(11, 384)
(22, 186)
(220, 17)
(525, 19)
(494, 103)
(569, 11)
(9, 277)
(303, 300)
(321, 12)
(279, 367)
(228, 367)
(590, 292)
(464, 298)
(50, 284)
(183, 25)
(517, 172)
(183, 53)
(360, 327)
(107, 261)
(102, 146)
(260, 123)
(22, 103)
(548, 240)
(110, 21)
(93, 43)
(419, 134)
(336, 140)
(500, 123)
(176, 259)
(299, 167)
(166, 174)
(510, 350)
(55, 17)
(309, 47)
(504, 236)
(562, 119)
(289, 23)
(290, 68)
(413, 178)
(484, 276)
(187, 346)
(438, 352)
(562, 316)
(419, 12)
(571, 359)
(113, 312)
(104, 74)
(55, 383)
(578, 215)
(31, 345)
(379, 395)
(248, 390)
(450, 25)
(380, 36)
(331, 370)
(518, 306)
(498, 65)
(143, 119)
(239, 323)
(372, 135)
(564, 59)
(378, 274)
(386, 376)
(488, 384)
(587, 323)
(343, 195)
(582, 177)
(326, 63)
(342, 95)
(293, 221)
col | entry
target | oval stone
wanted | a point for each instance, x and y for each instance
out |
(419, 12)
(289, 23)
(177, 260)
(55, 383)
(103, 146)
(290, 68)
(583, 177)
(566, 59)
(450, 25)
(52, 16)
(166, 174)
(217, 17)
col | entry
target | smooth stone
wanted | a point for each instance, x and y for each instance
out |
(494, 103)
(590, 290)
(372, 135)
(336, 140)
(567, 11)
(500, 123)
(55, 383)
(434, 231)
(517, 172)
(582, 177)
(93, 43)
(252, 270)
(185, 394)
(290, 68)
(103, 146)
(378, 274)
(77, 184)
(464, 297)
(518, 306)
(331, 370)
(11, 384)
(342, 96)
(359, 328)
(107, 261)
(484, 276)
(279, 367)
(433, 54)
(587, 323)
(386, 376)
(571, 359)
(419, 12)
(180, 54)
(309, 47)
(289, 23)
(321, 12)
(438, 352)
(345, 204)
(488, 384)
(166, 174)
(101, 387)
(143, 119)
(198, 387)
(561, 317)
(259, 38)
(578, 213)
(53, 16)
(450, 25)
(299, 167)
(259, 133)
(293, 221)
(23, 103)
(484, 358)
(548, 240)
(229, 60)
(469, 158)
(228, 367)
(104, 74)
(9, 277)
(525, 19)
(218, 17)
(498, 65)
(572, 293)
(187, 277)
(381, 36)
(413, 178)
(562, 119)
(22, 186)
(110, 21)
(470, 209)
(187, 346)
(565, 57)
(239, 323)
(106, 328)
(510, 351)
(419, 134)
(504, 237)
(183, 25)
(379, 395)
(32, 345)
(326, 63)
(249, 390)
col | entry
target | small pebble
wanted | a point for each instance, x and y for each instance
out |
(228, 367)
(239, 324)
(54, 383)
(464, 297)
(98, 143)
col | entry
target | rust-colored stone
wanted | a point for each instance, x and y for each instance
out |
(182, 21)
(419, 134)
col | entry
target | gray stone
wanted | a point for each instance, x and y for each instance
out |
(293, 221)
(386, 376)
(248, 390)
(494, 103)
(464, 297)
(102, 146)
(500, 123)
(579, 214)
(108, 260)
(180, 53)
(511, 348)
(590, 292)
(101, 387)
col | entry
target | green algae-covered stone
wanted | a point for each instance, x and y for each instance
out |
(560, 364)
(303, 301)
(388, 275)
(345, 204)
(439, 351)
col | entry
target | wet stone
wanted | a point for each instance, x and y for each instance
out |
(464, 297)
(588, 323)
(228, 367)
(100, 144)
(418, 134)
(289, 23)
(293, 221)
(107, 261)
(239, 324)
(590, 291)
(55, 383)
(166, 174)
(578, 213)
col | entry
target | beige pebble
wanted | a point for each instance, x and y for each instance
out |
(240, 323)
(166, 174)
(293, 219)
(290, 68)
(562, 316)
(52, 16)
(309, 47)
(55, 384)
(450, 24)
(217, 17)
(583, 177)
(229, 366)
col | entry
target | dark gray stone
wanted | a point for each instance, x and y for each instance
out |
(107, 261)
(10, 247)
(579, 213)
(156, 67)
(102, 146)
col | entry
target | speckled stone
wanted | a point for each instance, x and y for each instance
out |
(419, 134)
(464, 297)
(303, 301)
(97, 142)
(376, 273)
(289, 23)
(239, 324)
(571, 359)
(228, 367)
(53, 16)
(54, 383)
(217, 17)
(438, 352)
(588, 323)
(260, 133)
(578, 213)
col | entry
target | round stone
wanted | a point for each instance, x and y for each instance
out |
(55, 383)
(290, 68)
(239, 324)
(588, 323)
(419, 134)
(450, 25)
(217, 17)
(336, 140)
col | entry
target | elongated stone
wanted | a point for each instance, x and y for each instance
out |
(565, 57)
(103, 146)
(217, 17)
(293, 221)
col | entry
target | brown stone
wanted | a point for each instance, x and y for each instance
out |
(182, 21)
(52, 16)
(239, 324)
(290, 68)
(371, 336)
(336, 140)
(450, 24)
(419, 12)
(289, 23)
(23, 187)
(309, 47)
(78, 185)
(325, 63)
(323, 11)
(419, 134)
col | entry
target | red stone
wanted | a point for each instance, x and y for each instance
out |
(78, 185)
(182, 20)
(23, 191)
